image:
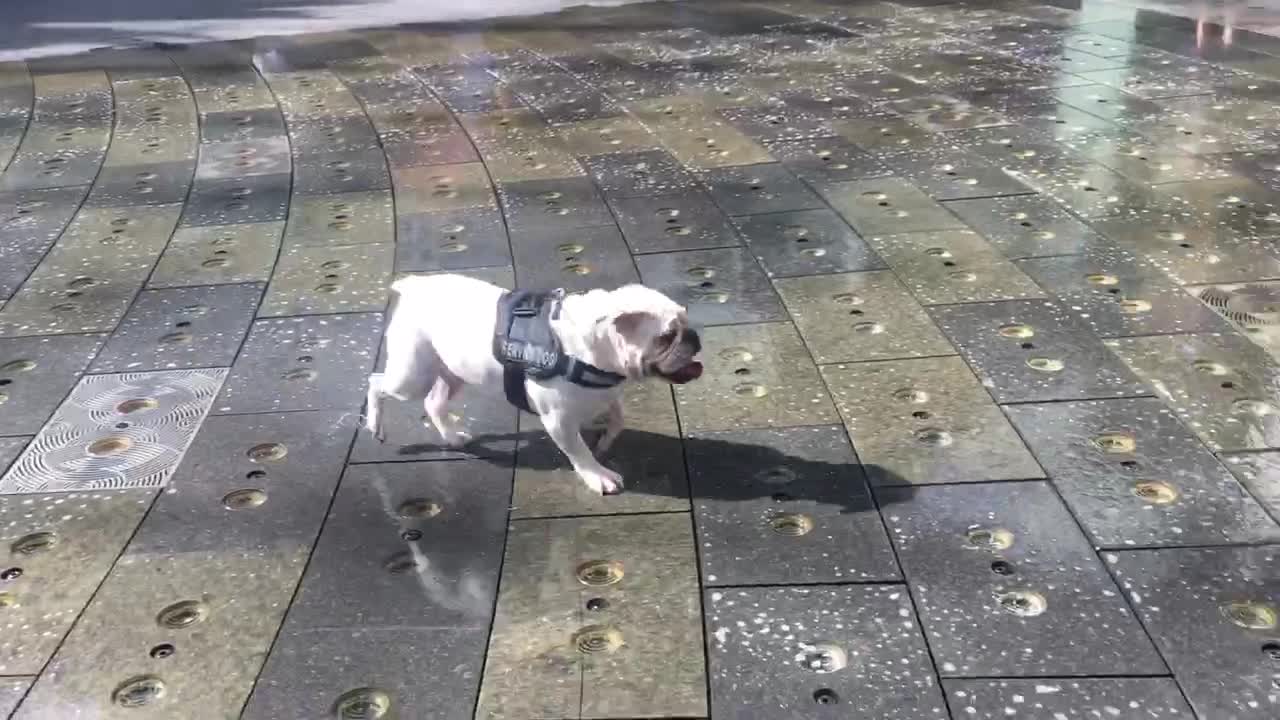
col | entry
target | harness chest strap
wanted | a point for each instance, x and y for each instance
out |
(526, 346)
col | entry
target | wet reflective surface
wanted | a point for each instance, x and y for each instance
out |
(989, 428)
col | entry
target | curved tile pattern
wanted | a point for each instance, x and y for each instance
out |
(870, 204)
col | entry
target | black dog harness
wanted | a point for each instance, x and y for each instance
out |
(527, 348)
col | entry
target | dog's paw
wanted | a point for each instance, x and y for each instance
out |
(606, 482)
(456, 438)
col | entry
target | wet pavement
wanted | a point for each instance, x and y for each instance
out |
(990, 296)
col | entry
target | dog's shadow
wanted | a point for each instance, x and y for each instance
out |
(810, 466)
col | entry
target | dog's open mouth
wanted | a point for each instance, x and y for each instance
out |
(688, 373)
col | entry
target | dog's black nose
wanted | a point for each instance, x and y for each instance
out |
(692, 340)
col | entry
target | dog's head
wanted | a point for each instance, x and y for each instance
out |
(651, 337)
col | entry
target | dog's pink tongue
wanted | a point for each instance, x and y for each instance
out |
(688, 373)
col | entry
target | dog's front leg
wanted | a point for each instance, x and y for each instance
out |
(612, 428)
(567, 435)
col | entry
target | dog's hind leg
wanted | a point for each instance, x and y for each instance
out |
(373, 409)
(444, 389)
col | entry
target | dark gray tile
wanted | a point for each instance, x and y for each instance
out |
(1116, 294)
(252, 483)
(331, 133)
(181, 328)
(559, 204)
(451, 240)
(1008, 586)
(819, 652)
(1067, 699)
(10, 449)
(36, 373)
(778, 123)
(757, 189)
(319, 672)
(441, 149)
(806, 242)
(652, 172)
(955, 174)
(579, 259)
(1212, 613)
(1026, 226)
(231, 201)
(409, 545)
(30, 222)
(154, 184)
(1133, 475)
(827, 160)
(1035, 351)
(662, 223)
(12, 690)
(341, 171)
(777, 507)
(717, 286)
(1260, 473)
(317, 362)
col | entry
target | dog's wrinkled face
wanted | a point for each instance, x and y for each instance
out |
(652, 337)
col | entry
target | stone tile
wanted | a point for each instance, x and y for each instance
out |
(1133, 475)
(777, 507)
(358, 218)
(181, 328)
(1035, 351)
(451, 240)
(923, 421)
(313, 362)
(1211, 613)
(638, 174)
(257, 484)
(324, 280)
(388, 525)
(218, 255)
(1079, 698)
(1008, 586)
(717, 287)
(1220, 385)
(112, 650)
(1193, 254)
(779, 388)
(560, 204)
(852, 317)
(581, 259)
(888, 206)
(1260, 474)
(441, 188)
(638, 573)
(889, 674)
(954, 266)
(36, 373)
(806, 242)
(1116, 294)
(663, 223)
(64, 557)
(757, 189)
(229, 201)
(827, 160)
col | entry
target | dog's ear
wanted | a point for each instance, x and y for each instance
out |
(630, 325)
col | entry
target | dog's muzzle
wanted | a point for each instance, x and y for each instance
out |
(677, 363)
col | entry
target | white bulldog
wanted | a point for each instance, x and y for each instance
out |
(442, 337)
